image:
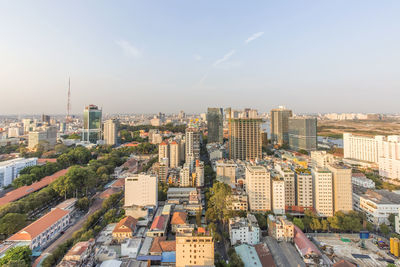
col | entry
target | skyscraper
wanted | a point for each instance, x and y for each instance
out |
(163, 151)
(280, 125)
(91, 131)
(303, 133)
(192, 145)
(111, 132)
(323, 197)
(244, 138)
(215, 125)
(342, 187)
(174, 154)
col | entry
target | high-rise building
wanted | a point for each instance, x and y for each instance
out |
(280, 125)
(111, 132)
(91, 131)
(9, 169)
(360, 147)
(174, 159)
(321, 159)
(278, 196)
(196, 250)
(46, 119)
(46, 136)
(163, 169)
(323, 191)
(389, 156)
(199, 173)
(226, 171)
(258, 188)
(215, 125)
(192, 145)
(304, 188)
(342, 187)
(163, 151)
(141, 190)
(184, 176)
(288, 177)
(244, 138)
(303, 134)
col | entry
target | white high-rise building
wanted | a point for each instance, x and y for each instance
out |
(141, 190)
(199, 173)
(184, 176)
(244, 230)
(258, 188)
(389, 156)
(174, 154)
(10, 169)
(360, 147)
(304, 189)
(111, 132)
(288, 177)
(278, 196)
(323, 191)
(163, 151)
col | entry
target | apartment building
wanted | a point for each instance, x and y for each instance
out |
(111, 132)
(258, 188)
(280, 125)
(244, 230)
(288, 177)
(278, 196)
(342, 187)
(389, 156)
(226, 171)
(174, 159)
(280, 228)
(359, 147)
(304, 188)
(9, 169)
(323, 191)
(196, 250)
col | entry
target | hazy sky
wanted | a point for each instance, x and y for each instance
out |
(149, 56)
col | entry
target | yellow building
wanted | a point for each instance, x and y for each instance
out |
(194, 251)
(342, 188)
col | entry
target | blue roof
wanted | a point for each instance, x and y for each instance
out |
(249, 255)
(148, 257)
(168, 257)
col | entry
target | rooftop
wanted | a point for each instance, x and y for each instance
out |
(382, 196)
(127, 224)
(179, 217)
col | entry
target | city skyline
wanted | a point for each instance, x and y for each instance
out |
(312, 57)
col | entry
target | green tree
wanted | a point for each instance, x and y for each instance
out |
(17, 254)
(83, 204)
(11, 223)
(219, 203)
(198, 218)
(299, 223)
(392, 218)
(315, 224)
(384, 229)
(325, 225)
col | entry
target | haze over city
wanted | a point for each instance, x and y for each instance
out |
(148, 56)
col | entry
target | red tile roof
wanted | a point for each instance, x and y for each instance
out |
(39, 226)
(119, 183)
(303, 243)
(163, 144)
(179, 217)
(26, 190)
(160, 244)
(110, 191)
(126, 225)
(343, 263)
(158, 223)
(44, 161)
(264, 255)
(174, 143)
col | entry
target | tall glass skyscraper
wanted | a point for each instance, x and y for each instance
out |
(91, 131)
(280, 125)
(303, 133)
(215, 125)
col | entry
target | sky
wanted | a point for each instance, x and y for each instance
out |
(150, 56)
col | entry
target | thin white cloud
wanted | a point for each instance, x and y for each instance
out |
(224, 58)
(128, 48)
(197, 57)
(253, 37)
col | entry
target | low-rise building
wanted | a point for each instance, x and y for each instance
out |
(307, 250)
(238, 200)
(43, 231)
(79, 255)
(280, 228)
(178, 218)
(158, 227)
(360, 179)
(196, 250)
(124, 229)
(130, 247)
(244, 230)
(9, 169)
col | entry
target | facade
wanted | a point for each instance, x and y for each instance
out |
(125, 228)
(360, 147)
(342, 188)
(46, 136)
(290, 185)
(280, 228)
(111, 132)
(163, 151)
(278, 196)
(321, 159)
(174, 158)
(9, 169)
(378, 205)
(184, 176)
(41, 232)
(215, 120)
(244, 138)
(304, 188)
(303, 134)
(192, 145)
(244, 230)
(360, 179)
(199, 173)
(141, 190)
(91, 131)
(280, 125)
(194, 251)
(323, 189)
(238, 200)
(258, 188)
(226, 171)
(389, 156)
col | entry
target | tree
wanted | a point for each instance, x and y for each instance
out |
(262, 221)
(198, 218)
(11, 223)
(384, 229)
(219, 203)
(392, 218)
(299, 223)
(325, 225)
(83, 204)
(315, 224)
(109, 216)
(17, 254)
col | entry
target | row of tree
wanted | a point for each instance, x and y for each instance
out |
(19, 256)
